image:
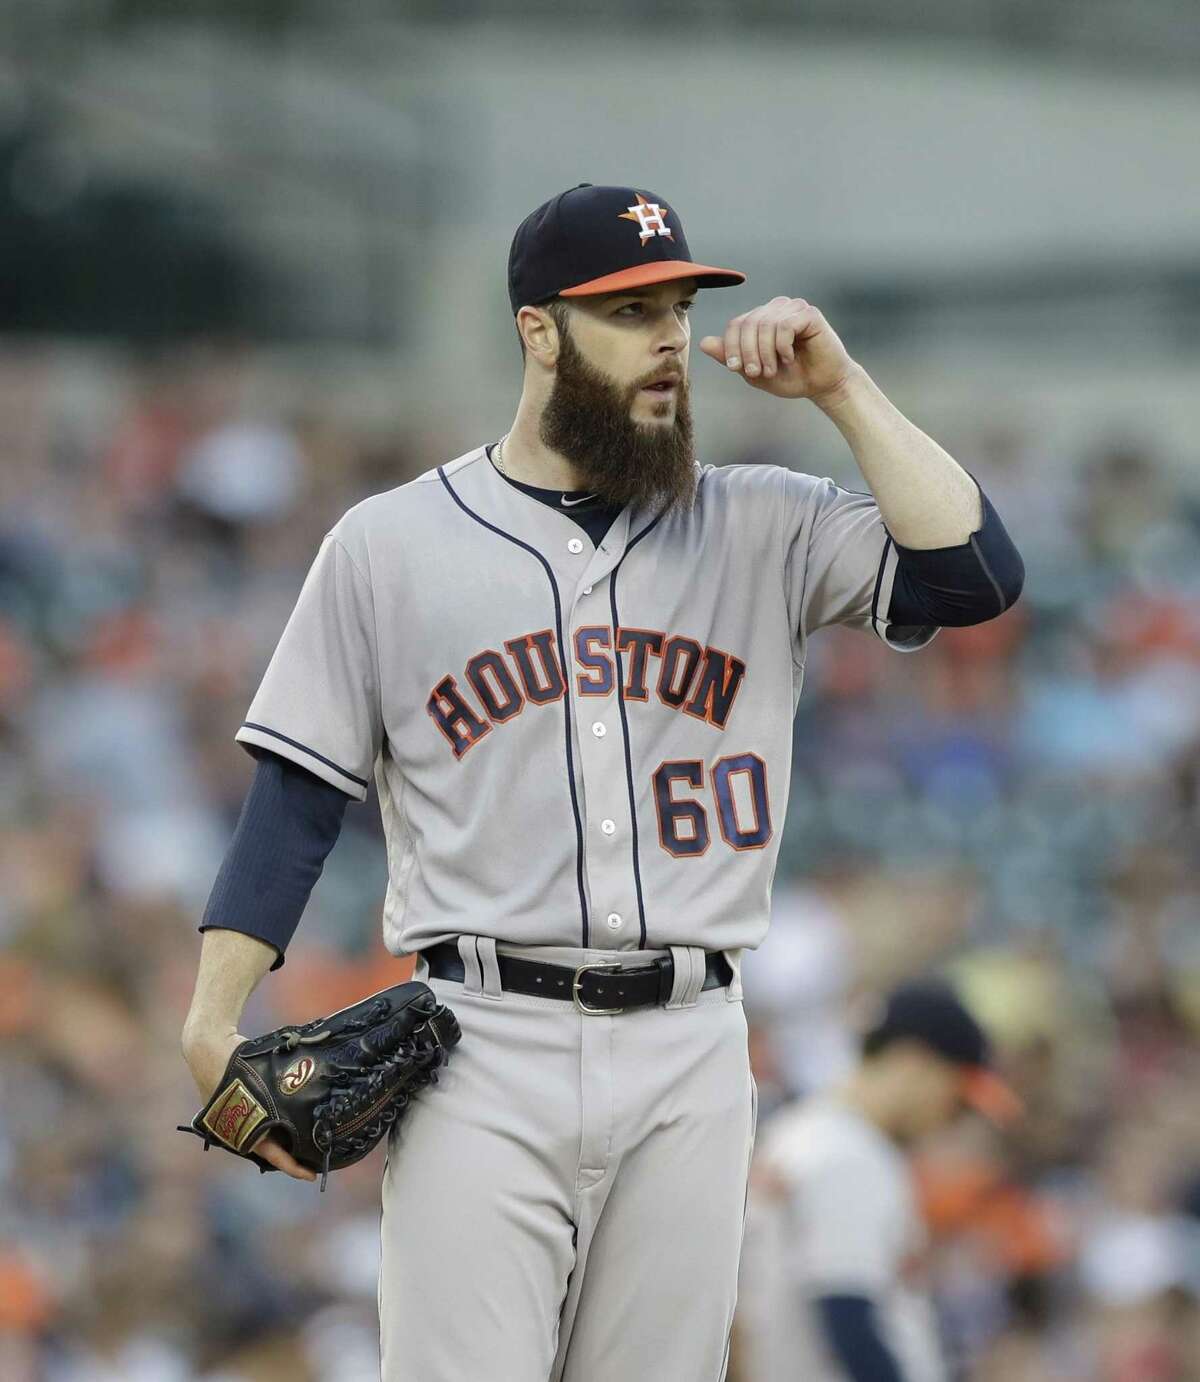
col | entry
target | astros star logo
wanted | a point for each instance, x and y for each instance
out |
(649, 216)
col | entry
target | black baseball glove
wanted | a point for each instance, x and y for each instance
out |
(332, 1088)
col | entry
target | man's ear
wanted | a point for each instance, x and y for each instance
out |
(540, 333)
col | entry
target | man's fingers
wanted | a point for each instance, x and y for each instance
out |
(768, 330)
(282, 1160)
(806, 319)
(758, 338)
(733, 343)
(751, 364)
(759, 344)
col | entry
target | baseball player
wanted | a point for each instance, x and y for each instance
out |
(832, 1275)
(571, 659)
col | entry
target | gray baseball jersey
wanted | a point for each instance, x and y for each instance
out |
(573, 744)
(582, 753)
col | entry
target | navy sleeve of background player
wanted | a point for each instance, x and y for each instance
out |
(953, 586)
(852, 1336)
(290, 821)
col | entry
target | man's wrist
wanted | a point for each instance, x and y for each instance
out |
(206, 1051)
(849, 394)
(203, 1031)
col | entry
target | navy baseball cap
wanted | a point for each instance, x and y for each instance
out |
(592, 239)
(930, 1012)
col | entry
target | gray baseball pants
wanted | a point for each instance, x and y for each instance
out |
(567, 1203)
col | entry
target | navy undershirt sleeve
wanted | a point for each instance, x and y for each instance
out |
(290, 821)
(852, 1337)
(955, 586)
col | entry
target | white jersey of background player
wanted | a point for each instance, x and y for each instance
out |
(842, 1222)
(834, 1279)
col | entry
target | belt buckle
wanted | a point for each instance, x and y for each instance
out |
(579, 1003)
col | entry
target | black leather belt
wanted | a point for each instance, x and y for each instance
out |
(599, 989)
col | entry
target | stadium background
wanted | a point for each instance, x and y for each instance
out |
(251, 270)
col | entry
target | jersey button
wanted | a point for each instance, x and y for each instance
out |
(609, 827)
(614, 921)
(587, 589)
(575, 545)
(599, 729)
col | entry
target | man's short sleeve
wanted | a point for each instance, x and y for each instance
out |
(318, 703)
(840, 562)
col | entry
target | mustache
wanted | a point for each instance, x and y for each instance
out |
(662, 377)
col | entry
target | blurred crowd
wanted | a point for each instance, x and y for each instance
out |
(1016, 806)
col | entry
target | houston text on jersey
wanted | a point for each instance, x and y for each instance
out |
(685, 674)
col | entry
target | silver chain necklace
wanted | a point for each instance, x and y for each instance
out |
(498, 455)
(499, 452)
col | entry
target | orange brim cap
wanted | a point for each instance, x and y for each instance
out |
(657, 271)
(988, 1094)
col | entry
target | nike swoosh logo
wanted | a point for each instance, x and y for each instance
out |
(570, 503)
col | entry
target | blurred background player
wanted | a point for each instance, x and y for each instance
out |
(833, 1266)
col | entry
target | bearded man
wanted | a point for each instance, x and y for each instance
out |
(571, 661)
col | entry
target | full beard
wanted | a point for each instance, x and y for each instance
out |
(587, 421)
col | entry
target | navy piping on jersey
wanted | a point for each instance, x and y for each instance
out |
(295, 743)
(566, 675)
(612, 597)
(887, 547)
